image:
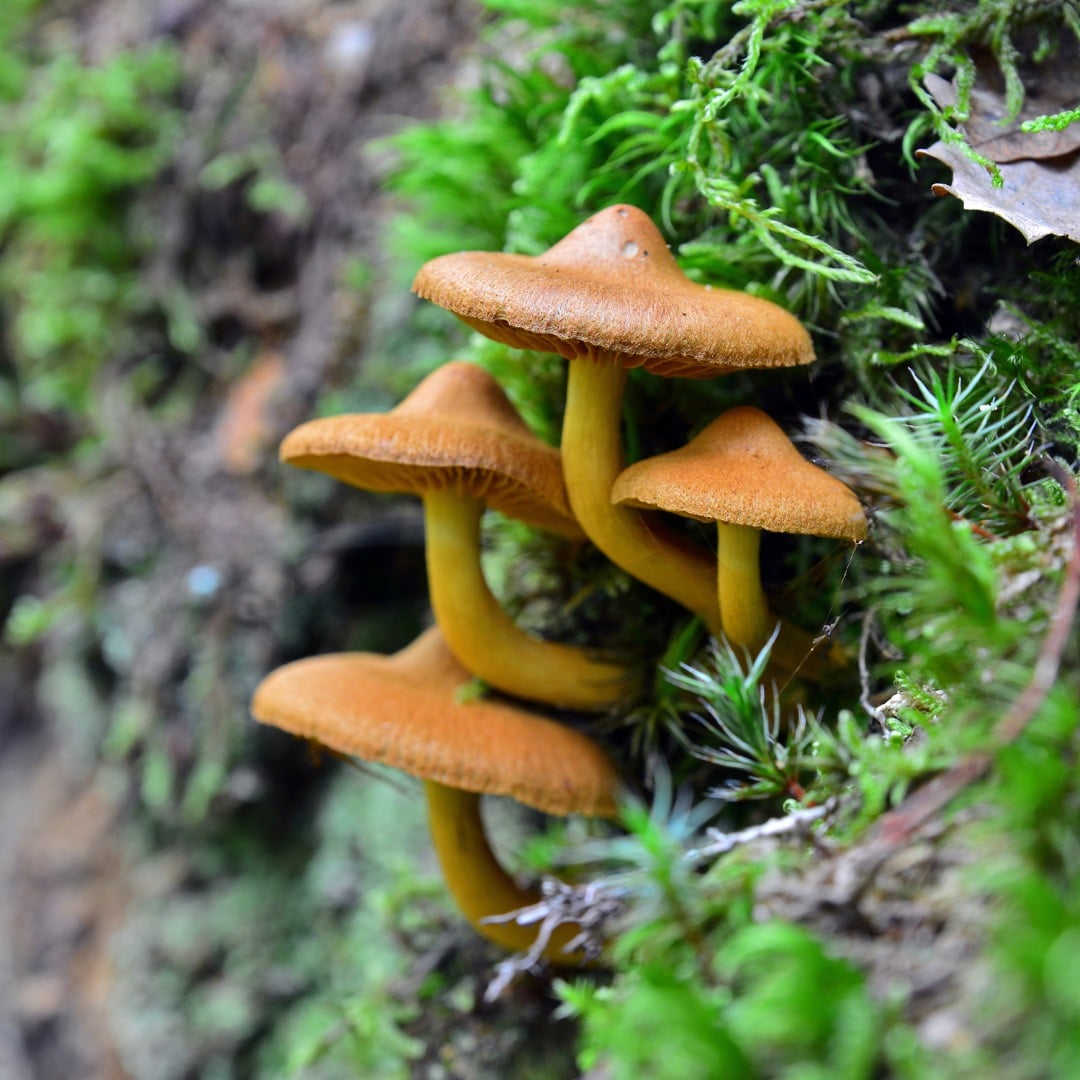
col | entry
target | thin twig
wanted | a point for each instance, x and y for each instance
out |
(797, 822)
(595, 905)
(864, 668)
(591, 906)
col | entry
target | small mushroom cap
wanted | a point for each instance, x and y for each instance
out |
(611, 290)
(742, 469)
(457, 430)
(402, 710)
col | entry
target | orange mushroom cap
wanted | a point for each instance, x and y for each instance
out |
(403, 711)
(611, 289)
(456, 430)
(742, 469)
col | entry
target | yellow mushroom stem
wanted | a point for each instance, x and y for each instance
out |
(639, 543)
(484, 638)
(745, 612)
(592, 456)
(478, 884)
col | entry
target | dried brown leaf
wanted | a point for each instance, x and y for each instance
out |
(990, 130)
(1040, 170)
(1040, 198)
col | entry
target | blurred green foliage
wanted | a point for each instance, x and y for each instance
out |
(275, 962)
(75, 140)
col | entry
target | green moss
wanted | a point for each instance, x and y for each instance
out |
(74, 142)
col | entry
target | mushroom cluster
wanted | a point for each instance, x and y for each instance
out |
(608, 297)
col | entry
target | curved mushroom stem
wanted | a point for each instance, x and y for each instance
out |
(592, 456)
(745, 612)
(641, 544)
(484, 638)
(479, 885)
